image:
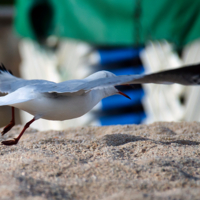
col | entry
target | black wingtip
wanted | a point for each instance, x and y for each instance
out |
(3, 69)
(10, 71)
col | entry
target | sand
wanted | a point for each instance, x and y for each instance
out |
(156, 161)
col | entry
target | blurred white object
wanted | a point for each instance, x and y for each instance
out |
(191, 55)
(162, 102)
(63, 64)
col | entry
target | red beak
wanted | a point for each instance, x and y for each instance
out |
(124, 94)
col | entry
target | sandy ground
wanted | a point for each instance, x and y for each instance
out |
(157, 161)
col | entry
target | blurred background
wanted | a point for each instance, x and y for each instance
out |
(62, 40)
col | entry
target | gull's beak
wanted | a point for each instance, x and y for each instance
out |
(123, 94)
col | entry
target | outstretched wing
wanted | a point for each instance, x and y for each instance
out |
(7, 80)
(189, 75)
(23, 90)
(10, 83)
(20, 95)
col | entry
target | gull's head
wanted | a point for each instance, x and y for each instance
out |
(112, 90)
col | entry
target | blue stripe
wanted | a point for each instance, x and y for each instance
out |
(131, 118)
(119, 101)
(109, 56)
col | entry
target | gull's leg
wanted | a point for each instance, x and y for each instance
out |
(15, 140)
(11, 124)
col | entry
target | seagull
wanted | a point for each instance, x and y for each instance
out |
(73, 98)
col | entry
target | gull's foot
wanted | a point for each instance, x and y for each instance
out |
(10, 142)
(7, 128)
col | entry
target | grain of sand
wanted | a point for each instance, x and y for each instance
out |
(156, 161)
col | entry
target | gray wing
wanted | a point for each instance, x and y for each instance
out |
(189, 75)
(10, 83)
(20, 95)
(21, 90)
(76, 87)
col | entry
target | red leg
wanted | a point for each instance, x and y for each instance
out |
(11, 124)
(15, 140)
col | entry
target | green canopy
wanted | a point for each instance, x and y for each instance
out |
(110, 22)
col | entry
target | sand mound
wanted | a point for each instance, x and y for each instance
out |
(157, 161)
